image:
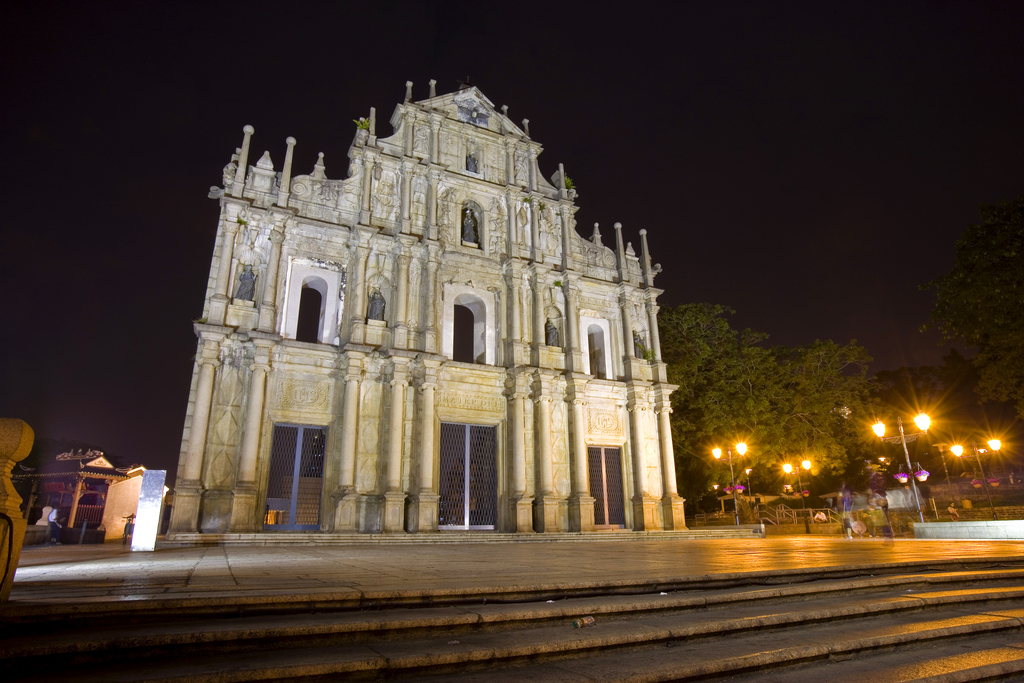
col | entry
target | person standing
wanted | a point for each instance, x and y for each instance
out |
(54, 526)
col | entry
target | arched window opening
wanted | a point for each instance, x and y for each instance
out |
(462, 335)
(595, 345)
(310, 323)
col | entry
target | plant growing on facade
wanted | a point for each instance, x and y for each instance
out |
(361, 123)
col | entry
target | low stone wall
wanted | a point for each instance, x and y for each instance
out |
(817, 529)
(1003, 529)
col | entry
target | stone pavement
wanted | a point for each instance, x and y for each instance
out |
(94, 573)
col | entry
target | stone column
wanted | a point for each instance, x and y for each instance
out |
(572, 327)
(510, 161)
(286, 174)
(430, 328)
(401, 337)
(652, 322)
(407, 169)
(345, 497)
(268, 309)
(523, 504)
(645, 516)
(537, 324)
(672, 505)
(431, 227)
(435, 139)
(16, 439)
(243, 161)
(567, 262)
(423, 505)
(243, 503)
(357, 313)
(581, 503)
(535, 253)
(532, 169)
(394, 497)
(546, 518)
(219, 300)
(364, 213)
(188, 492)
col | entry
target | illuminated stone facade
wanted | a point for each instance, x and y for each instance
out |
(440, 283)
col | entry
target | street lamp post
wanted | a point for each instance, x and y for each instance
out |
(923, 422)
(995, 445)
(741, 448)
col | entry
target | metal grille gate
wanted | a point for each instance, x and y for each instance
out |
(605, 469)
(295, 479)
(468, 484)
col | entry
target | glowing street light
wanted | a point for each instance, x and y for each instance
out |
(923, 422)
(787, 468)
(995, 445)
(741, 448)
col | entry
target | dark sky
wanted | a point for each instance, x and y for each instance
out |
(807, 164)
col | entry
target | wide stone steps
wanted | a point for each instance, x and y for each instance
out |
(659, 636)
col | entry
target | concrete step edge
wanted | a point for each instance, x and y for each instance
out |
(425, 663)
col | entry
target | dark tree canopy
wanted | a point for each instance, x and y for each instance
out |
(786, 403)
(981, 300)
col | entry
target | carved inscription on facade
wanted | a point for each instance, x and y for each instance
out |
(304, 395)
(463, 401)
(604, 421)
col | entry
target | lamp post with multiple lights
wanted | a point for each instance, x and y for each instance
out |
(741, 448)
(788, 469)
(923, 422)
(995, 445)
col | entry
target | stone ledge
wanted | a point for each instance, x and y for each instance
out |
(1009, 529)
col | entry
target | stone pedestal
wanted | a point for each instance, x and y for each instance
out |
(422, 514)
(376, 333)
(581, 513)
(268, 318)
(243, 509)
(645, 514)
(215, 512)
(401, 334)
(521, 353)
(188, 497)
(241, 315)
(546, 517)
(674, 513)
(345, 514)
(523, 510)
(369, 511)
(394, 511)
(218, 308)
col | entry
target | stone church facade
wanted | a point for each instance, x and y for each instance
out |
(423, 344)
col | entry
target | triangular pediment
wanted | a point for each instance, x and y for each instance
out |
(472, 106)
(100, 462)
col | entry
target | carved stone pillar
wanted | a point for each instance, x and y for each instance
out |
(368, 162)
(243, 162)
(431, 227)
(407, 170)
(423, 505)
(243, 503)
(546, 517)
(219, 300)
(401, 336)
(357, 285)
(672, 505)
(652, 322)
(188, 493)
(645, 513)
(394, 497)
(581, 503)
(522, 502)
(430, 328)
(532, 172)
(435, 139)
(346, 498)
(510, 162)
(268, 308)
(572, 326)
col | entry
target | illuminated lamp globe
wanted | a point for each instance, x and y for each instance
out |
(879, 428)
(741, 448)
(995, 444)
(806, 464)
(956, 450)
(717, 452)
(922, 421)
(787, 468)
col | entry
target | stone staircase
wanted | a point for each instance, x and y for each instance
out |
(931, 621)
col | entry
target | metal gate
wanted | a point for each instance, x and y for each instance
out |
(295, 480)
(469, 477)
(605, 465)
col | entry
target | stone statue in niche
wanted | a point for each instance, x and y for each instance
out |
(471, 163)
(246, 284)
(550, 333)
(375, 309)
(638, 345)
(468, 225)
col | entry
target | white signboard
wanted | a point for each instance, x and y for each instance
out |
(147, 518)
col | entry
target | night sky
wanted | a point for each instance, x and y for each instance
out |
(807, 164)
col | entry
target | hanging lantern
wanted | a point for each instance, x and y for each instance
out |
(922, 475)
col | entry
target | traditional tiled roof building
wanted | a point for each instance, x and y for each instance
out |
(423, 344)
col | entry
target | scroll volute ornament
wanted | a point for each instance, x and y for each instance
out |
(16, 439)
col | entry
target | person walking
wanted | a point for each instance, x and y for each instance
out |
(54, 526)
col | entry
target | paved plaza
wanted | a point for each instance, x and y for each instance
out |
(100, 573)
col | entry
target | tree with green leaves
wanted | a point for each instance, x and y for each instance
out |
(786, 403)
(981, 300)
